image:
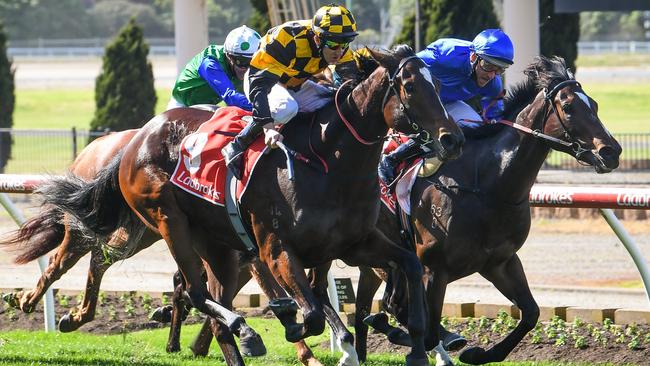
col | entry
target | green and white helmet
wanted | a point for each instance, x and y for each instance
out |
(242, 41)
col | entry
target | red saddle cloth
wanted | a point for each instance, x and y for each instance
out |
(201, 169)
(401, 193)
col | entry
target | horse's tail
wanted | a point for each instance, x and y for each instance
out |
(37, 236)
(98, 205)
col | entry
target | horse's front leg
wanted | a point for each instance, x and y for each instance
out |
(378, 251)
(509, 278)
(223, 272)
(290, 274)
(368, 285)
(344, 339)
(273, 290)
(174, 228)
(435, 294)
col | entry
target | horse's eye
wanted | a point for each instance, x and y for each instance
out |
(409, 87)
(566, 108)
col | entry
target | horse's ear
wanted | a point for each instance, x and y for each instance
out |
(523, 118)
(383, 58)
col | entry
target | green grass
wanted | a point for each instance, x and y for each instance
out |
(614, 59)
(623, 108)
(148, 348)
(62, 108)
(50, 152)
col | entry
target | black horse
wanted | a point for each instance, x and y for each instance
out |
(297, 224)
(473, 214)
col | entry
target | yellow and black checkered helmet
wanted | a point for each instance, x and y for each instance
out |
(335, 23)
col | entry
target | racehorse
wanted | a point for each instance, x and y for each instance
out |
(50, 230)
(300, 224)
(474, 214)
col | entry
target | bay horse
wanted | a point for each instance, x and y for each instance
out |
(473, 215)
(50, 229)
(297, 225)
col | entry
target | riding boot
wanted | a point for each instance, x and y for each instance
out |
(233, 153)
(389, 162)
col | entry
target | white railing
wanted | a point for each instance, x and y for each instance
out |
(598, 47)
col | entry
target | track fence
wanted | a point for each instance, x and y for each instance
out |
(52, 151)
(636, 155)
(44, 151)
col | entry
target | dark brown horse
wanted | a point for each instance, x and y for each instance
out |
(300, 224)
(50, 230)
(473, 214)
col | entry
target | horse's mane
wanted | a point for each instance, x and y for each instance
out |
(542, 73)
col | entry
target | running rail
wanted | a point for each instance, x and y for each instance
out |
(603, 198)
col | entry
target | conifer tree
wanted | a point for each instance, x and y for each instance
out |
(449, 18)
(559, 33)
(7, 100)
(124, 90)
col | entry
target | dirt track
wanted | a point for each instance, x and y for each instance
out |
(563, 260)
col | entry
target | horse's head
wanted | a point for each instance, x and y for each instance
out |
(570, 115)
(411, 103)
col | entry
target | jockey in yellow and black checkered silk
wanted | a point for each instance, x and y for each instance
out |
(278, 83)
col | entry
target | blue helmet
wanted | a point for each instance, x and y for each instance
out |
(495, 47)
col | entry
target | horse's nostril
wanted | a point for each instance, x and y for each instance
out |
(609, 156)
(450, 142)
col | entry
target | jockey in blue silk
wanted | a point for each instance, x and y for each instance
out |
(215, 74)
(465, 70)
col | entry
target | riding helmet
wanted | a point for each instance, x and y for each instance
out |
(495, 47)
(242, 41)
(334, 23)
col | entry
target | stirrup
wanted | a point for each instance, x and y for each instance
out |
(234, 159)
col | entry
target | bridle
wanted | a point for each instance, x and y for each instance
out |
(422, 135)
(569, 140)
(549, 96)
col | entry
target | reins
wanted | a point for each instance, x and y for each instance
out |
(351, 128)
(549, 96)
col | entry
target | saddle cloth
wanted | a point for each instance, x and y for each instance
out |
(201, 169)
(402, 193)
(420, 167)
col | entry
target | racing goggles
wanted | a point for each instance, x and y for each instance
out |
(240, 61)
(336, 45)
(488, 67)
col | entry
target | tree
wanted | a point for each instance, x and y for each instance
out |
(7, 100)
(260, 18)
(449, 18)
(124, 91)
(559, 33)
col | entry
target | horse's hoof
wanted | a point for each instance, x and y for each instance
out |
(473, 356)
(11, 299)
(251, 345)
(173, 348)
(377, 321)
(411, 361)
(400, 337)
(66, 324)
(454, 342)
(162, 314)
(293, 333)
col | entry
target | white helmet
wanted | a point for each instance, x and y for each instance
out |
(242, 41)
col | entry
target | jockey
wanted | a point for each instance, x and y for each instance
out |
(215, 75)
(465, 70)
(277, 82)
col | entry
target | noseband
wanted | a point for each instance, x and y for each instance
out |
(549, 97)
(422, 135)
